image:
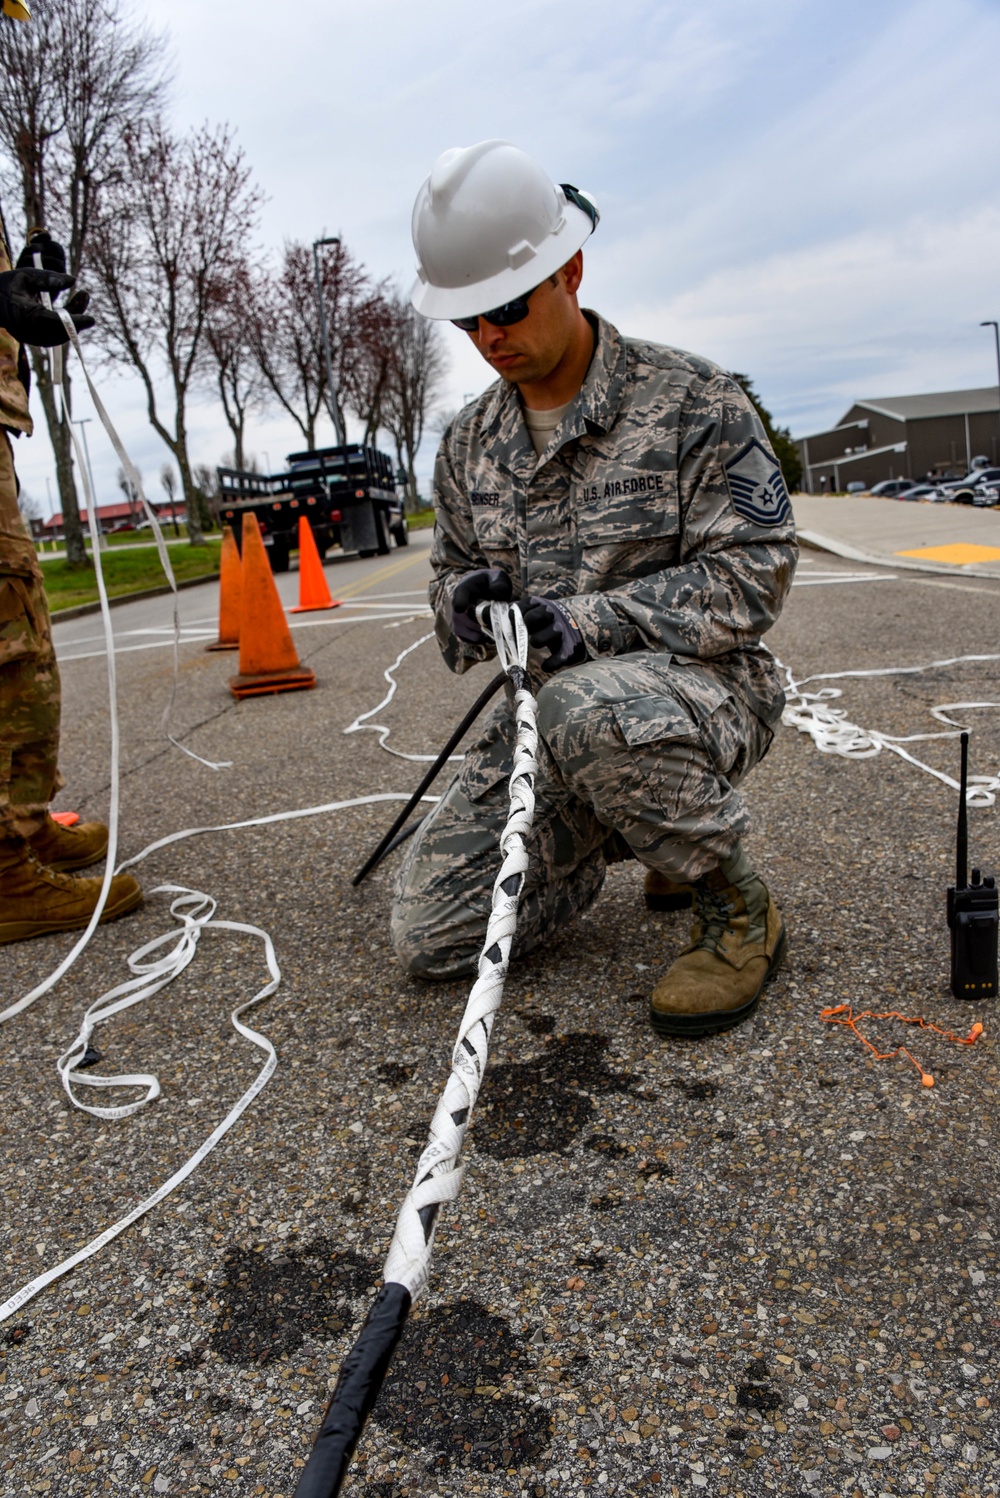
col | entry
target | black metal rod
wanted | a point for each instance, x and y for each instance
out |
(385, 843)
(962, 840)
(361, 1377)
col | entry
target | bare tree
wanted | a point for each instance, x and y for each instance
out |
(416, 371)
(71, 83)
(230, 355)
(207, 491)
(29, 506)
(131, 497)
(168, 479)
(285, 331)
(366, 376)
(170, 235)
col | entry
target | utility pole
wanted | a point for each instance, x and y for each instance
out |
(996, 339)
(96, 534)
(331, 387)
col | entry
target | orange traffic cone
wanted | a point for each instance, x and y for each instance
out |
(268, 662)
(230, 590)
(313, 591)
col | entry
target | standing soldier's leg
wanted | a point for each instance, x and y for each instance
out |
(36, 899)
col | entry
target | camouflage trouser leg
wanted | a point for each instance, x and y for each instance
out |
(631, 745)
(29, 689)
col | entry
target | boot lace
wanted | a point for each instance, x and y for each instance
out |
(713, 910)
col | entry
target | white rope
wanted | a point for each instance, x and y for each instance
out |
(195, 910)
(135, 482)
(361, 726)
(833, 732)
(439, 1172)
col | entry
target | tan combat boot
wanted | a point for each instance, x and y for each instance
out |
(661, 893)
(737, 944)
(67, 848)
(36, 901)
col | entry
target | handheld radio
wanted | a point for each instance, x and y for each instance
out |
(973, 914)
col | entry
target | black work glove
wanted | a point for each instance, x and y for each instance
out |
(53, 257)
(488, 584)
(23, 314)
(551, 628)
(51, 252)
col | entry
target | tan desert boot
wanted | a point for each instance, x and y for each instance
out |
(67, 848)
(661, 893)
(737, 944)
(36, 901)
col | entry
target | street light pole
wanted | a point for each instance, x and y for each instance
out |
(331, 387)
(996, 339)
(94, 518)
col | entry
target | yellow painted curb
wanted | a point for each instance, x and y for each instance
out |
(957, 552)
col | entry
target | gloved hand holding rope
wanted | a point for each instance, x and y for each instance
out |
(439, 1172)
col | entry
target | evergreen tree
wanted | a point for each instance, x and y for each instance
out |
(780, 438)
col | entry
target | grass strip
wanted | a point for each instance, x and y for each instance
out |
(126, 570)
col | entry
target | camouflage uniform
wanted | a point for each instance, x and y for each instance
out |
(657, 514)
(29, 677)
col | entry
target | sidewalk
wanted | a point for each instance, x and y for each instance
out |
(928, 538)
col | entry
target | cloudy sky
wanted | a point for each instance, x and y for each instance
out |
(803, 190)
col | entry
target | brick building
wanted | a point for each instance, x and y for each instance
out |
(903, 436)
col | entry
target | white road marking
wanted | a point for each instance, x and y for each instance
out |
(397, 616)
(844, 577)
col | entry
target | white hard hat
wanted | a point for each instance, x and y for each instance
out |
(489, 226)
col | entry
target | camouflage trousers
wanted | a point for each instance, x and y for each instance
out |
(639, 754)
(30, 697)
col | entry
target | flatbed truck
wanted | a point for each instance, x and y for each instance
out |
(348, 495)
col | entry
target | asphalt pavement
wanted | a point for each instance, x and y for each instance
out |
(763, 1263)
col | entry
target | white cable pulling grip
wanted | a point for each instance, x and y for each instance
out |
(439, 1171)
(439, 1175)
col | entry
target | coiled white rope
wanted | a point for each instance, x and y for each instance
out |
(439, 1171)
(833, 732)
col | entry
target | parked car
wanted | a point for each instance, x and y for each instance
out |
(893, 488)
(922, 491)
(855, 487)
(962, 491)
(986, 496)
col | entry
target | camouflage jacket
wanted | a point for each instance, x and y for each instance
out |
(657, 513)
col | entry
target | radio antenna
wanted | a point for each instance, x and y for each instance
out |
(962, 841)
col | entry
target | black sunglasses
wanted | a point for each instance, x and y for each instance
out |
(518, 309)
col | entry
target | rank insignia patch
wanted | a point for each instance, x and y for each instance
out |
(756, 486)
